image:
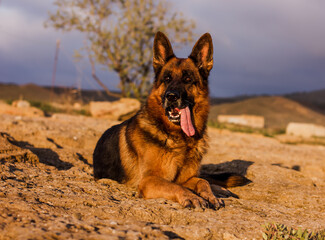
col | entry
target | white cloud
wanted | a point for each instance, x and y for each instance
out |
(21, 33)
(27, 48)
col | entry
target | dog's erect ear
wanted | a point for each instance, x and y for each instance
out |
(162, 51)
(202, 53)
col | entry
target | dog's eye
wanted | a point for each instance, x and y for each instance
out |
(187, 80)
(168, 79)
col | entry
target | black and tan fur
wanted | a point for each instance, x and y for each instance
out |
(152, 152)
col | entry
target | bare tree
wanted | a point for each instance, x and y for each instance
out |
(120, 34)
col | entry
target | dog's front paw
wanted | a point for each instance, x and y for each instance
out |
(214, 202)
(204, 190)
(189, 200)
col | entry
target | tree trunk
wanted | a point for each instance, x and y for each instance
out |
(95, 77)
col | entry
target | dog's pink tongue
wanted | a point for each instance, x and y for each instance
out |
(186, 122)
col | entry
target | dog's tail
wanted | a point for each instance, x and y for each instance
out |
(226, 180)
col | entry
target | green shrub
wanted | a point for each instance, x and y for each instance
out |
(9, 101)
(82, 112)
(276, 231)
(45, 107)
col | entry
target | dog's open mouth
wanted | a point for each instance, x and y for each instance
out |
(174, 115)
(182, 117)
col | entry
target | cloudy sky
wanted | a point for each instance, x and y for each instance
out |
(260, 47)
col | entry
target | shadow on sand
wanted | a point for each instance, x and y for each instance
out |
(45, 155)
(224, 175)
(235, 166)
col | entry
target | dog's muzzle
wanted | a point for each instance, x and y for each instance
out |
(178, 113)
(172, 106)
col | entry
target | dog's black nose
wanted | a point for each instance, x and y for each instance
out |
(172, 96)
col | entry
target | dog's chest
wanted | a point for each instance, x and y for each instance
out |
(180, 161)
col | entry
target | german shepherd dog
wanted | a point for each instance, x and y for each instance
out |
(160, 149)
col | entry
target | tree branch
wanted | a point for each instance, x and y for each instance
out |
(93, 74)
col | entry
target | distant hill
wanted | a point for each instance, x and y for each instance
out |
(218, 100)
(314, 99)
(30, 92)
(278, 111)
(33, 92)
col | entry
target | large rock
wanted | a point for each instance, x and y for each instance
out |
(21, 104)
(114, 110)
(244, 120)
(305, 130)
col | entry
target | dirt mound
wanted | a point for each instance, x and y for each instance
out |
(51, 193)
(277, 111)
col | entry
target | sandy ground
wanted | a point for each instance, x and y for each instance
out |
(47, 190)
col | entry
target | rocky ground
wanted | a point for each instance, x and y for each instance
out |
(47, 190)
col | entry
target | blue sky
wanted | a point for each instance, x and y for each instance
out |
(260, 47)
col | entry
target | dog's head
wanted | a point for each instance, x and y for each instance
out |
(182, 83)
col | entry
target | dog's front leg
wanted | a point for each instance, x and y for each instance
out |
(202, 188)
(157, 187)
